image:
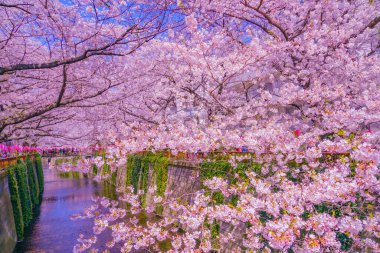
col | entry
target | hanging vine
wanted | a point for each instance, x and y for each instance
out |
(22, 181)
(160, 168)
(137, 175)
(144, 183)
(136, 166)
(16, 204)
(33, 190)
(40, 175)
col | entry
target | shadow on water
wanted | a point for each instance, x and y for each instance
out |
(52, 231)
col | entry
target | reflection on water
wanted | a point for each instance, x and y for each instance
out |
(52, 230)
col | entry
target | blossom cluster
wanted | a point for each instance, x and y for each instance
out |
(286, 205)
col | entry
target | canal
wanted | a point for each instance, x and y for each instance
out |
(52, 231)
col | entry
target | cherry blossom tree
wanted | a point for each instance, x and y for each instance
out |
(259, 80)
(58, 54)
(296, 82)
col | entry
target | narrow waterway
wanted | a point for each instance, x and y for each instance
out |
(52, 230)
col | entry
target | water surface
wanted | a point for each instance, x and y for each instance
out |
(52, 231)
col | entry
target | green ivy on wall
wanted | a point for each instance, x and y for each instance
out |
(215, 169)
(16, 204)
(135, 166)
(108, 190)
(94, 169)
(26, 203)
(241, 169)
(129, 170)
(223, 169)
(106, 169)
(65, 174)
(40, 175)
(60, 161)
(24, 182)
(70, 174)
(75, 160)
(76, 174)
(113, 178)
(234, 200)
(345, 241)
(32, 182)
(137, 175)
(214, 228)
(160, 168)
(144, 183)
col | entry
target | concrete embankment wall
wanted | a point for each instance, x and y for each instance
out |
(183, 179)
(8, 236)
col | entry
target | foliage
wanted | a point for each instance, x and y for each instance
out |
(160, 168)
(218, 168)
(333, 210)
(129, 170)
(94, 169)
(217, 197)
(136, 167)
(33, 185)
(76, 174)
(215, 169)
(113, 177)
(234, 200)
(144, 180)
(25, 198)
(65, 174)
(108, 190)
(40, 175)
(16, 204)
(25, 193)
(60, 161)
(138, 175)
(106, 167)
(345, 241)
(75, 160)
(133, 171)
(214, 227)
(264, 216)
